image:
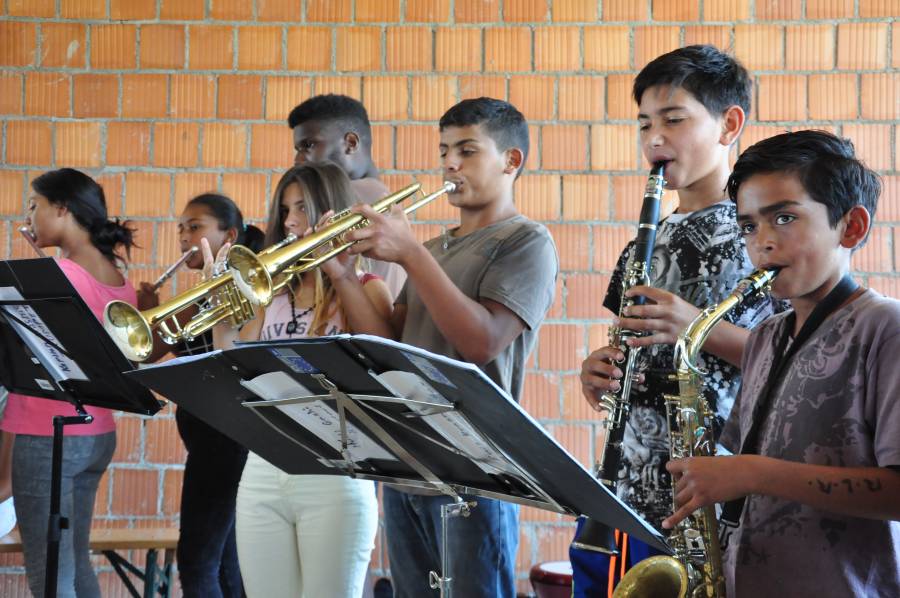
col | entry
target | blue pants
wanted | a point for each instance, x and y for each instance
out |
(591, 571)
(207, 551)
(482, 546)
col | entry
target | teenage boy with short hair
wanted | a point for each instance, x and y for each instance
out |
(692, 103)
(477, 293)
(817, 418)
(336, 128)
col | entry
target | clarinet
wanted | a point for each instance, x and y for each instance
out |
(595, 535)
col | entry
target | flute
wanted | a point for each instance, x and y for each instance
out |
(171, 270)
(26, 232)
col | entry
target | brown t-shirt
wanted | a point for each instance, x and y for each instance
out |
(837, 404)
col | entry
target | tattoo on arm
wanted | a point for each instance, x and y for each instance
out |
(826, 486)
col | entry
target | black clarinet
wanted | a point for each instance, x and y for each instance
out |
(593, 534)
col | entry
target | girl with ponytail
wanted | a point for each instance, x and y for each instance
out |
(68, 211)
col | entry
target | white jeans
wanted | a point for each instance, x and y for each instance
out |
(303, 535)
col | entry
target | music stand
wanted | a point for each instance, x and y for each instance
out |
(52, 346)
(376, 409)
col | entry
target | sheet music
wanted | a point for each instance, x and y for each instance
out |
(315, 416)
(58, 365)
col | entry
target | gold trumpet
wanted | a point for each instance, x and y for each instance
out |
(251, 280)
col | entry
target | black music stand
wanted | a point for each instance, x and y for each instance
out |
(52, 346)
(376, 409)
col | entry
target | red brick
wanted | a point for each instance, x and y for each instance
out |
(778, 10)
(507, 49)
(557, 49)
(540, 395)
(895, 36)
(163, 444)
(534, 136)
(619, 102)
(627, 193)
(82, 9)
(175, 144)
(129, 430)
(538, 196)
(146, 193)
(386, 98)
(872, 142)
(582, 11)
(726, 10)
(181, 10)
(606, 48)
(715, 35)
(650, 42)
(575, 406)
(132, 10)
(889, 203)
(231, 10)
(533, 96)
(759, 47)
(810, 47)
(248, 190)
(113, 46)
(862, 46)
(573, 245)
(212, 47)
(676, 11)
(328, 10)
(408, 49)
(871, 9)
(829, 9)
(625, 10)
(32, 8)
(476, 86)
(417, 147)
(358, 49)
(383, 146)
(46, 93)
(613, 147)
(78, 144)
(377, 11)
(477, 11)
(270, 146)
(278, 10)
(458, 49)
(561, 347)
(240, 97)
(876, 254)
(581, 98)
(428, 11)
(259, 48)
(585, 295)
(127, 143)
(18, 43)
(782, 97)
(62, 45)
(309, 48)
(134, 491)
(28, 142)
(172, 483)
(880, 94)
(585, 197)
(833, 97)
(432, 95)
(348, 86)
(144, 96)
(10, 93)
(609, 241)
(283, 93)
(193, 96)
(225, 145)
(12, 186)
(162, 46)
(188, 185)
(113, 188)
(564, 147)
(96, 96)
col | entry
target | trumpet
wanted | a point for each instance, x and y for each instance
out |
(170, 271)
(26, 232)
(250, 281)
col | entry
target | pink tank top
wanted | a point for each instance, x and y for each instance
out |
(34, 415)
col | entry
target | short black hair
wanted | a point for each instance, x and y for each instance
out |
(714, 78)
(825, 164)
(332, 108)
(500, 120)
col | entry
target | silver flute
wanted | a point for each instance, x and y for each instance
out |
(174, 267)
(26, 232)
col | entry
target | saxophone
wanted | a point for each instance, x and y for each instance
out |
(696, 568)
(594, 535)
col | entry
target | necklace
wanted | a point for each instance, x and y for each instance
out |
(292, 325)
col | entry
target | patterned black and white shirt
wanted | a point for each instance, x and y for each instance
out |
(699, 257)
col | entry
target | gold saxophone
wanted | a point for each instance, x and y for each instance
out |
(696, 568)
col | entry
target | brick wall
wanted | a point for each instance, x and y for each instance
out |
(162, 99)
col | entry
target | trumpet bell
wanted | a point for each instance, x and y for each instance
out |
(129, 329)
(250, 275)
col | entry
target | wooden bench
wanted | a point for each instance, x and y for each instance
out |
(109, 541)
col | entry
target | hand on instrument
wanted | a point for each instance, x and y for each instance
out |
(213, 266)
(601, 373)
(341, 265)
(147, 296)
(664, 315)
(388, 236)
(704, 481)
